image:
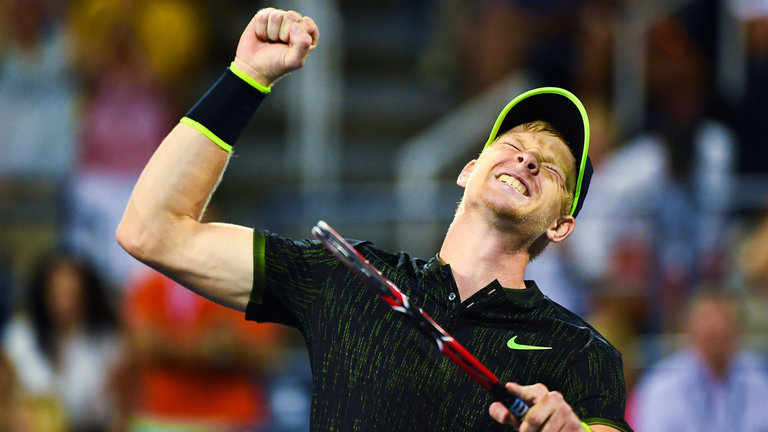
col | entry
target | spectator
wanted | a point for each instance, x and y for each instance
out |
(37, 96)
(710, 385)
(685, 155)
(20, 412)
(38, 124)
(195, 364)
(752, 112)
(128, 54)
(554, 42)
(65, 344)
(9, 392)
(753, 265)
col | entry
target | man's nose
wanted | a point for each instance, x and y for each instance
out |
(529, 160)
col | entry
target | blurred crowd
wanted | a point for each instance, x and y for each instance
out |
(669, 260)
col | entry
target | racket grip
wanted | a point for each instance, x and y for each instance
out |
(514, 404)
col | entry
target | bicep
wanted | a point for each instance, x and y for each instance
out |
(214, 260)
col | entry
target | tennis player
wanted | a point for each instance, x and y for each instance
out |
(371, 370)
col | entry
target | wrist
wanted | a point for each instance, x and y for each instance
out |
(252, 76)
(226, 109)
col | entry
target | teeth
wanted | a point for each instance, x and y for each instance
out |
(515, 183)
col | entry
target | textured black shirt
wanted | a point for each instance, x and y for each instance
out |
(373, 371)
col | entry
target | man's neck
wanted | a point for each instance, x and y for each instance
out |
(479, 254)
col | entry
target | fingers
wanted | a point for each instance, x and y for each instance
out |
(275, 25)
(299, 46)
(260, 22)
(501, 414)
(288, 20)
(549, 411)
(531, 394)
(311, 28)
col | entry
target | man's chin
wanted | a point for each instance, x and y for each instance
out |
(516, 218)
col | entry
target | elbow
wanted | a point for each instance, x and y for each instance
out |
(133, 239)
(155, 239)
(140, 240)
(154, 244)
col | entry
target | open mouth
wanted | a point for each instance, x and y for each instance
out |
(514, 183)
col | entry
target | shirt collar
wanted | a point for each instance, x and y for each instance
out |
(493, 298)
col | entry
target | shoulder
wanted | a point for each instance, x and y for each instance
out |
(275, 242)
(279, 251)
(584, 333)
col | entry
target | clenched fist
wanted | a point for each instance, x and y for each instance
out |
(275, 43)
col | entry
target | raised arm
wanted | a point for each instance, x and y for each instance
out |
(161, 227)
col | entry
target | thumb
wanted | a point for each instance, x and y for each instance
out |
(298, 47)
(531, 393)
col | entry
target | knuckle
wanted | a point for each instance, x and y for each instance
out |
(262, 16)
(556, 396)
(534, 418)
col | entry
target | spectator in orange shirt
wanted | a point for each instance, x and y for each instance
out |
(195, 365)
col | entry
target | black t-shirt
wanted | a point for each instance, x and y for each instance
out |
(373, 371)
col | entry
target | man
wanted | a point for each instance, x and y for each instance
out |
(371, 370)
(713, 383)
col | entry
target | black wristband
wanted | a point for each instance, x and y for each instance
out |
(225, 109)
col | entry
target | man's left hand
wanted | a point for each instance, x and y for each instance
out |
(549, 411)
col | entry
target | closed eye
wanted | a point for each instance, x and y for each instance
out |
(556, 171)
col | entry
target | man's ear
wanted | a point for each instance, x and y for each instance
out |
(561, 228)
(465, 173)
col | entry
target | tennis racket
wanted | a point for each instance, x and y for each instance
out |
(392, 295)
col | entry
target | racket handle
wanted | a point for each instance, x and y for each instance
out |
(514, 404)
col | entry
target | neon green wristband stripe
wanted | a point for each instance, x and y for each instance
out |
(204, 130)
(586, 427)
(245, 77)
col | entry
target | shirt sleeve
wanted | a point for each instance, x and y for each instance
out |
(594, 382)
(288, 276)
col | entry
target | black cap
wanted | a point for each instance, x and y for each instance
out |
(563, 110)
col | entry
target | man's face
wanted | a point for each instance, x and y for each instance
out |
(713, 329)
(522, 177)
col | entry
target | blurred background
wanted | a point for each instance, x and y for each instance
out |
(370, 137)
